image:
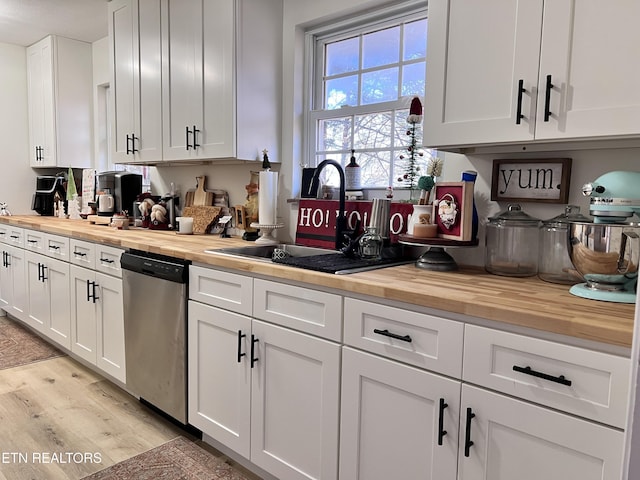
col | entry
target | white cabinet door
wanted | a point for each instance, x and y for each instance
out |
(19, 274)
(59, 73)
(294, 403)
(6, 279)
(58, 328)
(48, 294)
(135, 55)
(38, 292)
(110, 326)
(198, 91)
(123, 76)
(478, 54)
(83, 314)
(513, 439)
(594, 75)
(220, 375)
(393, 420)
(41, 103)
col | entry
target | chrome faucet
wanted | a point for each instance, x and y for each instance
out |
(341, 219)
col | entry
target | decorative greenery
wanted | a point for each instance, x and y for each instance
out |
(427, 182)
(412, 168)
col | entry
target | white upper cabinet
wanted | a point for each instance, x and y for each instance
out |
(59, 77)
(135, 56)
(513, 72)
(212, 87)
(198, 68)
(590, 52)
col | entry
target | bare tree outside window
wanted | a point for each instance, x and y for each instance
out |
(362, 93)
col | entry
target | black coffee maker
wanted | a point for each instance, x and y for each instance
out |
(49, 191)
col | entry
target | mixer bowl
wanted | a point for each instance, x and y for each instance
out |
(606, 255)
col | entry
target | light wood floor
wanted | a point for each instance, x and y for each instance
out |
(60, 408)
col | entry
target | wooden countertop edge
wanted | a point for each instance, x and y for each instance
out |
(521, 302)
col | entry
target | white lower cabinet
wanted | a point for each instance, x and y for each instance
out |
(415, 396)
(220, 375)
(97, 320)
(294, 403)
(269, 393)
(393, 415)
(396, 421)
(48, 297)
(13, 282)
(506, 439)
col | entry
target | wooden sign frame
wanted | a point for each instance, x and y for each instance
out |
(544, 180)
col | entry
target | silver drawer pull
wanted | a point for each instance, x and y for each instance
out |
(387, 333)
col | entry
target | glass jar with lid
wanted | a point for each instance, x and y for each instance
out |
(512, 243)
(554, 264)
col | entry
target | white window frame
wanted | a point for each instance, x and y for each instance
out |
(314, 69)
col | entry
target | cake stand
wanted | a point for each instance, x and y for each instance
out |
(266, 233)
(436, 258)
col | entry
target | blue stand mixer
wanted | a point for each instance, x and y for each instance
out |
(607, 252)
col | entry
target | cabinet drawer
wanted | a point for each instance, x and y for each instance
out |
(82, 253)
(221, 289)
(108, 260)
(422, 340)
(56, 246)
(12, 235)
(35, 241)
(304, 309)
(579, 381)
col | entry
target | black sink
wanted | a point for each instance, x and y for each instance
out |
(318, 259)
(341, 264)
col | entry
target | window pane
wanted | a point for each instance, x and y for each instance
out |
(334, 134)
(401, 128)
(373, 131)
(375, 168)
(413, 79)
(342, 57)
(329, 175)
(341, 92)
(381, 48)
(415, 40)
(380, 86)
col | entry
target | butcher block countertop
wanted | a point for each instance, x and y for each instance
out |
(525, 302)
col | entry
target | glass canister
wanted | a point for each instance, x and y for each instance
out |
(512, 243)
(554, 264)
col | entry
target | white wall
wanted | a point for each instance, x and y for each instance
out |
(17, 181)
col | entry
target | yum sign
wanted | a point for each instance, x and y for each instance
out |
(540, 180)
(316, 225)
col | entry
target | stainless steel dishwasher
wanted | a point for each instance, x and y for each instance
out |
(155, 325)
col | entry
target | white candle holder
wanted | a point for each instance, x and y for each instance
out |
(266, 233)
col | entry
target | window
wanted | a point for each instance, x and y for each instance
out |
(363, 78)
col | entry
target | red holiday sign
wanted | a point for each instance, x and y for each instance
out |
(317, 220)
